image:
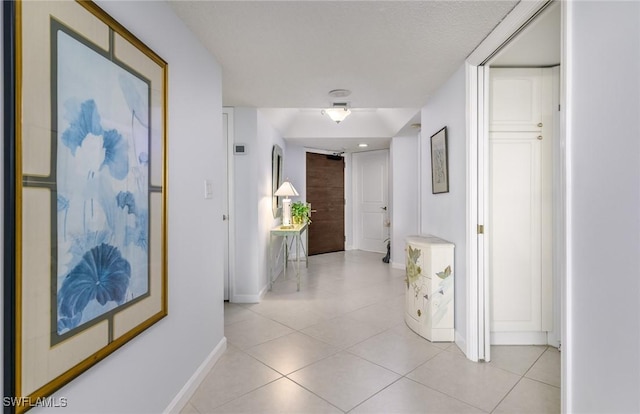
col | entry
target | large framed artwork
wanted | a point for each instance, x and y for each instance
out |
(439, 162)
(85, 138)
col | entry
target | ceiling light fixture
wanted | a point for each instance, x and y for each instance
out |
(338, 112)
(339, 93)
(363, 145)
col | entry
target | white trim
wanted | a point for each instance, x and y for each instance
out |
(565, 125)
(250, 298)
(484, 301)
(503, 32)
(519, 338)
(355, 208)
(472, 339)
(186, 392)
(476, 292)
(419, 155)
(348, 194)
(399, 265)
(460, 342)
(230, 207)
(559, 213)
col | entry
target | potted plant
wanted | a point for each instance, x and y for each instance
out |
(300, 212)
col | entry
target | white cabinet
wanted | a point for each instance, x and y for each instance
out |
(522, 105)
(429, 302)
(520, 204)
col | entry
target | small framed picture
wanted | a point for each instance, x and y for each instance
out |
(439, 162)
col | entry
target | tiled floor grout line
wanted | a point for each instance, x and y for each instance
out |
(388, 302)
(374, 394)
(310, 391)
(346, 349)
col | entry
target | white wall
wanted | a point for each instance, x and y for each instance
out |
(404, 174)
(267, 137)
(295, 169)
(245, 217)
(444, 215)
(602, 344)
(147, 373)
(253, 206)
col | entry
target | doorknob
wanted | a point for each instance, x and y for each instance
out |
(224, 217)
(384, 208)
(314, 211)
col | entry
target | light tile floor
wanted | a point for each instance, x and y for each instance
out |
(341, 345)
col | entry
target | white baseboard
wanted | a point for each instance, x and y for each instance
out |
(185, 394)
(263, 292)
(399, 265)
(519, 338)
(245, 299)
(462, 344)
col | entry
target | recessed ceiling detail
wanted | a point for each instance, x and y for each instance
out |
(283, 56)
(288, 54)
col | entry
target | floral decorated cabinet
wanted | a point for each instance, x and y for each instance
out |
(429, 299)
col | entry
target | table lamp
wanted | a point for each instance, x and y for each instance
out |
(286, 190)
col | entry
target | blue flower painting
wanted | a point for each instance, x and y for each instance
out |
(102, 275)
(102, 172)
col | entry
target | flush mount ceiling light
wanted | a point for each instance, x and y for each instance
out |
(338, 112)
(339, 93)
(363, 145)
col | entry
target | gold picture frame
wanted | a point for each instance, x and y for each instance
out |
(86, 111)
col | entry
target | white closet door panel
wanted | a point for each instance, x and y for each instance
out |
(371, 188)
(515, 222)
(517, 100)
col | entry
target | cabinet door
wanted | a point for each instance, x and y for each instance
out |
(516, 223)
(516, 100)
(442, 293)
(415, 282)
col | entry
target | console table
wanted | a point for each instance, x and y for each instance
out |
(289, 236)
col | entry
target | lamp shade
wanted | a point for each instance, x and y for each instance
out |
(286, 189)
(337, 114)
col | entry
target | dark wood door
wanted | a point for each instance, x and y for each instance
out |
(325, 192)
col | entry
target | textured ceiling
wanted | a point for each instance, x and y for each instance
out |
(287, 56)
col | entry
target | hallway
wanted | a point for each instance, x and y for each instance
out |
(341, 345)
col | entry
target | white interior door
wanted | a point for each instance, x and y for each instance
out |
(520, 247)
(371, 189)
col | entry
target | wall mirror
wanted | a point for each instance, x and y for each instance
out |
(276, 179)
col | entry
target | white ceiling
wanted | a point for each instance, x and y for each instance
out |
(285, 56)
(537, 45)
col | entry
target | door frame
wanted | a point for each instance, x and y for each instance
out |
(344, 188)
(228, 206)
(354, 195)
(477, 300)
(348, 193)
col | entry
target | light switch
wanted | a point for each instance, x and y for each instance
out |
(208, 189)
